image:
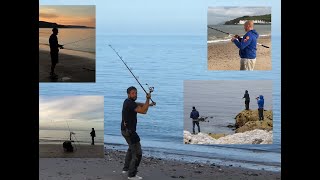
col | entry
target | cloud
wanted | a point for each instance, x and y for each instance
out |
(47, 15)
(221, 14)
(80, 111)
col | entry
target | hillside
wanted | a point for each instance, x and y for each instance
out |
(44, 24)
(262, 19)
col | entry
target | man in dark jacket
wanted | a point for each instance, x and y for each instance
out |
(54, 50)
(247, 99)
(195, 119)
(247, 46)
(260, 101)
(93, 134)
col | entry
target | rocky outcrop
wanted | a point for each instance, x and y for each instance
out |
(256, 136)
(248, 120)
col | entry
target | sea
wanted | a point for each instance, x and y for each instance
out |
(58, 136)
(218, 37)
(166, 62)
(77, 41)
(221, 101)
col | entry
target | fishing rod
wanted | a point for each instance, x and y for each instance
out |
(79, 40)
(151, 89)
(235, 36)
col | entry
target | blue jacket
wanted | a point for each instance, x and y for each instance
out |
(248, 49)
(260, 102)
(194, 114)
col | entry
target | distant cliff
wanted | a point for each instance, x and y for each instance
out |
(262, 19)
(44, 24)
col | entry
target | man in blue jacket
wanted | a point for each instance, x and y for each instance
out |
(247, 46)
(260, 102)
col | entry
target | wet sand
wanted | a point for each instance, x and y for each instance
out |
(81, 151)
(110, 167)
(70, 68)
(225, 56)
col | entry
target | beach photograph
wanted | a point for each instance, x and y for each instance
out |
(163, 47)
(67, 43)
(239, 38)
(71, 126)
(228, 112)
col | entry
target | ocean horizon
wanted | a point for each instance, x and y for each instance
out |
(165, 62)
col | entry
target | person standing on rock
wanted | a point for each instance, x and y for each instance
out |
(128, 130)
(195, 119)
(260, 102)
(247, 99)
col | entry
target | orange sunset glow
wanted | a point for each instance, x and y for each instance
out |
(83, 15)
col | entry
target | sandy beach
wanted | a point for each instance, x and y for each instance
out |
(110, 167)
(225, 56)
(82, 151)
(70, 68)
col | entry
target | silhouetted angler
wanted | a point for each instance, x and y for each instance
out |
(247, 99)
(93, 134)
(54, 50)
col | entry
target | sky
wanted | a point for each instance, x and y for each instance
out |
(183, 17)
(83, 15)
(79, 112)
(217, 15)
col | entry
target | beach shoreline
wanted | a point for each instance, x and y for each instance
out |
(225, 55)
(70, 68)
(80, 151)
(110, 167)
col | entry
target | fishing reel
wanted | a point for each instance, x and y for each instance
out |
(151, 89)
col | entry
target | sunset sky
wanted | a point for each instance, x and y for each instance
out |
(83, 15)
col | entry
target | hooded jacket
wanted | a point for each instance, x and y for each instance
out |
(246, 96)
(260, 102)
(248, 47)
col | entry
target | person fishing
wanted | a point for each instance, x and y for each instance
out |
(247, 46)
(130, 109)
(195, 119)
(54, 50)
(93, 135)
(247, 99)
(260, 101)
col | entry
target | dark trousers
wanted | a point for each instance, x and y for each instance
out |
(197, 123)
(133, 156)
(247, 104)
(260, 113)
(92, 142)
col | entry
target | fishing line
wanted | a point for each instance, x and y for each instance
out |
(151, 89)
(78, 40)
(234, 35)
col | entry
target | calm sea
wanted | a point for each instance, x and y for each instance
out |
(165, 62)
(76, 41)
(50, 136)
(222, 100)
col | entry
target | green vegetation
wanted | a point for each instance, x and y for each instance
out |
(266, 18)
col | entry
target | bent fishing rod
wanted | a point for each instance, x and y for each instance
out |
(235, 35)
(151, 89)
